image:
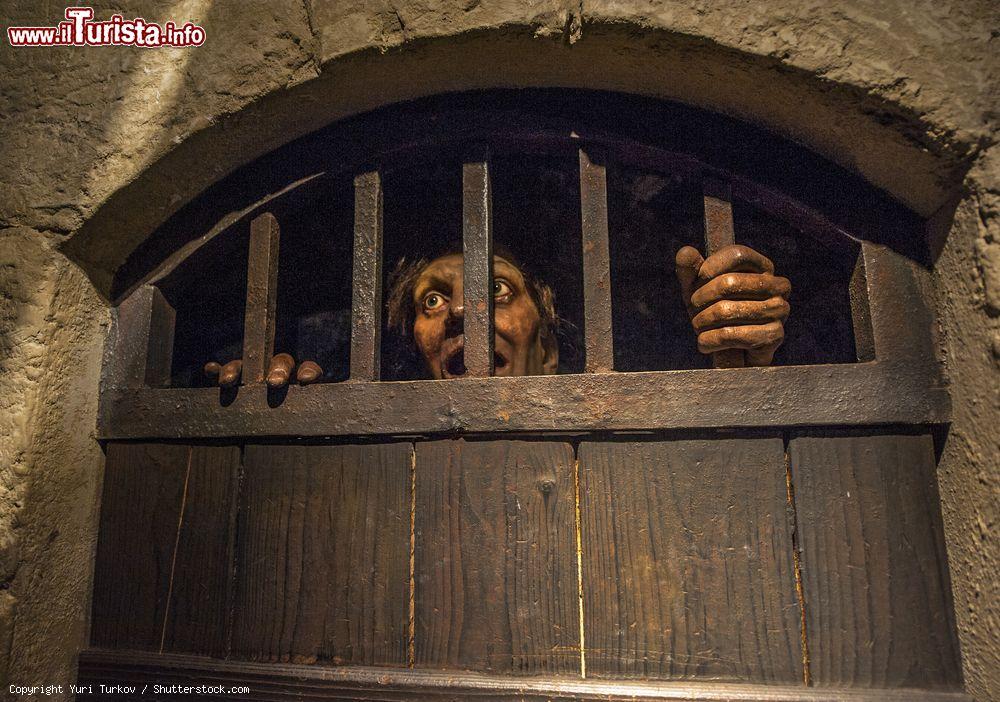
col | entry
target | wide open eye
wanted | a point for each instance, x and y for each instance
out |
(501, 288)
(434, 301)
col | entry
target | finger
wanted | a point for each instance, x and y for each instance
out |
(740, 286)
(734, 313)
(734, 258)
(212, 370)
(752, 337)
(687, 262)
(309, 372)
(229, 375)
(280, 370)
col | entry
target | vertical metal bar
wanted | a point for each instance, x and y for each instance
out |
(366, 295)
(477, 251)
(598, 332)
(140, 346)
(719, 233)
(262, 295)
(861, 319)
(899, 293)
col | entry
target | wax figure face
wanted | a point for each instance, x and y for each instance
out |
(523, 345)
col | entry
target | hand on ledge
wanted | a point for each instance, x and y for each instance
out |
(279, 372)
(735, 301)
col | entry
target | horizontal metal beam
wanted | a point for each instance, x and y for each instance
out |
(280, 681)
(783, 396)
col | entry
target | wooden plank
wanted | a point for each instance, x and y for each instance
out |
(201, 594)
(779, 396)
(143, 493)
(719, 233)
(302, 683)
(875, 575)
(323, 555)
(262, 298)
(477, 252)
(495, 557)
(140, 345)
(598, 335)
(366, 301)
(687, 561)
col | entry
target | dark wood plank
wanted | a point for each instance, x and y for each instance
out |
(477, 251)
(143, 492)
(366, 301)
(719, 233)
(495, 557)
(322, 568)
(598, 336)
(262, 297)
(687, 561)
(275, 681)
(878, 603)
(779, 396)
(140, 345)
(201, 594)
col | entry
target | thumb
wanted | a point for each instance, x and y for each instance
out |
(688, 261)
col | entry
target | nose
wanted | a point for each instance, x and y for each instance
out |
(455, 323)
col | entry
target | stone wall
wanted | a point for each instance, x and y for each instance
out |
(101, 144)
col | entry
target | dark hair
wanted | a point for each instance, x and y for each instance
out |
(404, 277)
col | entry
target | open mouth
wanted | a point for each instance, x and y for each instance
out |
(454, 364)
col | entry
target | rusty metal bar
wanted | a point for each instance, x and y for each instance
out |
(862, 394)
(139, 349)
(719, 233)
(366, 300)
(262, 295)
(598, 333)
(477, 250)
(861, 318)
(898, 292)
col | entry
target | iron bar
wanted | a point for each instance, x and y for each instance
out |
(366, 301)
(719, 233)
(477, 251)
(262, 295)
(598, 332)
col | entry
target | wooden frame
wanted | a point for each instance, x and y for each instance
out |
(307, 683)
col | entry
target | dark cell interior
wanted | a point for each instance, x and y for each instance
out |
(207, 292)
(313, 320)
(819, 328)
(536, 200)
(650, 217)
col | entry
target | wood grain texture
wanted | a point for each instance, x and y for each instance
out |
(777, 396)
(322, 568)
(495, 559)
(878, 603)
(262, 297)
(143, 489)
(687, 561)
(201, 595)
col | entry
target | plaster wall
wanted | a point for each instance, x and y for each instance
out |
(101, 144)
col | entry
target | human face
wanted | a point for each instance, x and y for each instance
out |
(440, 314)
